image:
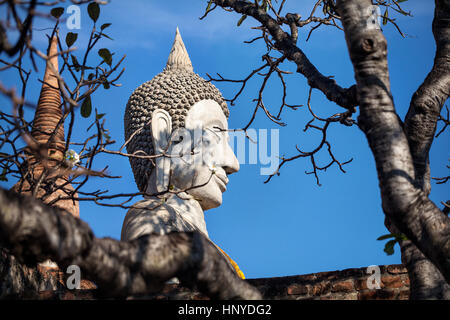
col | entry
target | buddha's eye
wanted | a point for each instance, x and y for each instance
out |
(217, 132)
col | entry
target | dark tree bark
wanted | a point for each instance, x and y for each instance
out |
(404, 202)
(426, 281)
(420, 126)
(428, 100)
(34, 232)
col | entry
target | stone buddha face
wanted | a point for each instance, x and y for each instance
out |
(184, 117)
(200, 157)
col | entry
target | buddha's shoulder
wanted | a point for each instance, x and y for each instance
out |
(152, 216)
(147, 204)
(150, 207)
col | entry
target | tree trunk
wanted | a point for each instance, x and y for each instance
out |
(406, 204)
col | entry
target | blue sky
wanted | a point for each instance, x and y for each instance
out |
(291, 225)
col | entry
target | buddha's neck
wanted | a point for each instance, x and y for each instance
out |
(189, 209)
(184, 204)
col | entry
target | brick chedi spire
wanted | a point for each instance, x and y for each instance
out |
(48, 111)
(46, 119)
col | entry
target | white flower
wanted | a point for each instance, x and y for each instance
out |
(213, 168)
(72, 158)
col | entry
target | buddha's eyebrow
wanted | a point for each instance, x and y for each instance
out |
(220, 128)
(215, 132)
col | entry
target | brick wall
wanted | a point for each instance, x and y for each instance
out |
(348, 284)
(17, 281)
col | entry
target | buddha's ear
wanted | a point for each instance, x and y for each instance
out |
(161, 127)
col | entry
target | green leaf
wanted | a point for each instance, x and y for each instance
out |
(386, 236)
(104, 26)
(106, 55)
(90, 76)
(241, 20)
(71, 38)
(385, 17)
(57, 12)
(99, 116)
(93, 11)
(86, 107)
(106, 85)
(389, 247)
(397, 236)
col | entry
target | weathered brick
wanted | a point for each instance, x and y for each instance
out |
(321, 288)
(341, 296)
(391, 281)
(343, 286)
(396, 269)
(295, 289)
(309, 277)
(361, 284)
(350, 296)
(87, 285)
(403, 295)
(406, 280)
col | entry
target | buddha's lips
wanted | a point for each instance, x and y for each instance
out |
(223, 181)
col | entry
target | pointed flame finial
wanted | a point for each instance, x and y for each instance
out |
(178, 57)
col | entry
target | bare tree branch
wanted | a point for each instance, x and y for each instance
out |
(428, 100)
(285, 43)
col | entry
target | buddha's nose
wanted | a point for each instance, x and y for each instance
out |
(231, 163)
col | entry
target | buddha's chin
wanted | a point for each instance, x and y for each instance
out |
(208, 198)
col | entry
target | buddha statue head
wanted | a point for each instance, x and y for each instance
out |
(183, 120)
